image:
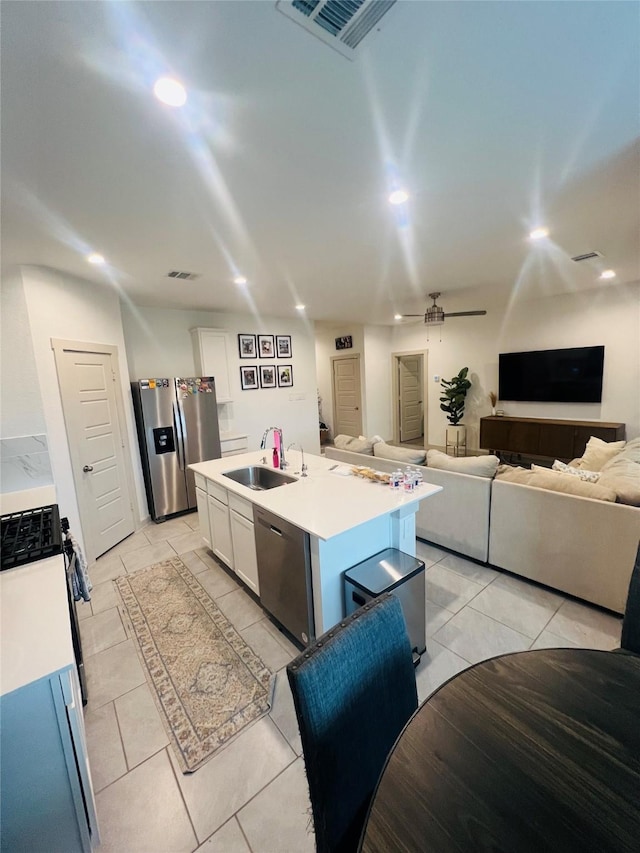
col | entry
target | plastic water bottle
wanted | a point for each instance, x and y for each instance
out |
(418, 477)
(409, 484)
(395, 479)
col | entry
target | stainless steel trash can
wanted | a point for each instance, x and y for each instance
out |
(393, 571)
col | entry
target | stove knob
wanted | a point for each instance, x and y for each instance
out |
(87, 468)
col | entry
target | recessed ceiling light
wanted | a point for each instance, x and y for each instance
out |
(96, 259)
(239, 279)
(539, 233)
(397, 316)
(299, 307)
(608, 274)
(170, 92)
(398, 197)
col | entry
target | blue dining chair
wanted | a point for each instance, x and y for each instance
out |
(630, 640)
(353, 692)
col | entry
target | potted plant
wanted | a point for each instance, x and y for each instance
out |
(455, 391)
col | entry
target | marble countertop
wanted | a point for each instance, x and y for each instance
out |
(324, 503)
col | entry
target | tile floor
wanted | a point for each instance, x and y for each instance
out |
(252, 795)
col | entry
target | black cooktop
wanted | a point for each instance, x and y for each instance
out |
(30, 535)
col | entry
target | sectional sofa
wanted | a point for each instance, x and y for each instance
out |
(579, 545)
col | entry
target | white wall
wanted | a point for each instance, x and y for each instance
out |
(61, 306)
(609, 316)
(325, 342)
(377, 371)
(159, 344)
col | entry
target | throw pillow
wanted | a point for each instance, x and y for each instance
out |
(580, 473)
(623, 476)
(477, 466)
(408, 455)
(355, 445)
(543, 478)
(598, 452)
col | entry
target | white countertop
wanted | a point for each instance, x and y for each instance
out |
(323, 503)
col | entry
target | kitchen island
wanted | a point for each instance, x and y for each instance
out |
(348, 519)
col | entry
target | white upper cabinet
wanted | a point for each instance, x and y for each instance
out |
(211, 354)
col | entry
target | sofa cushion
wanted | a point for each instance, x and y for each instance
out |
(580, 473)
(622, 475)
(477, 466)
(355, 445)
(543, 478)
(598, 452)
(408, 455)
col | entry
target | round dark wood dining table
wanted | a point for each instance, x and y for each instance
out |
(536, 751)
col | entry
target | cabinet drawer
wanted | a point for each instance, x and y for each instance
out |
(218, 492)
(201, 483)
(241, 506)
(234, 445)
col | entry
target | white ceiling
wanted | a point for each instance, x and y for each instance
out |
(496, 116)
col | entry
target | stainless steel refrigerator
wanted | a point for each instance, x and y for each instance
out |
(177, 422)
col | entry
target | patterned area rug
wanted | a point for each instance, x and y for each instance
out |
(208, 682)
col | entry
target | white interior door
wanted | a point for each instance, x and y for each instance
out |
(410, 393)
(96, 444)
(347, 398)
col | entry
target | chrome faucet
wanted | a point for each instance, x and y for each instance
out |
(299, 446)
(263, 444)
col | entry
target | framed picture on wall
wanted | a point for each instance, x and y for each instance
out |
(285, 376)
(265, 346)
(247, 346)
(283, 346)
(249, 377)
(267, 376)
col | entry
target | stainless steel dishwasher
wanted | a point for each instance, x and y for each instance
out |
(284, 571)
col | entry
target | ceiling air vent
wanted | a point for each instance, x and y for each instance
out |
(183, 276)
(587, 256)
(342, 24)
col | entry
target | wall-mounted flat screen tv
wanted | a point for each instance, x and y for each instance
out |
(571, 375)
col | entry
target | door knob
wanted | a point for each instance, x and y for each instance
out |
(357, 408)
(87, 468)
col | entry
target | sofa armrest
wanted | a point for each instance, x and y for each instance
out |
(578, 545)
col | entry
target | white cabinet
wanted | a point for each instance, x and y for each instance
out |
(220, 526)
(203, 516)
(210, 350)
(233, 443)
(244, 542)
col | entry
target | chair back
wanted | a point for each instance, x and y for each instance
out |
(353, 692)
(631, 623)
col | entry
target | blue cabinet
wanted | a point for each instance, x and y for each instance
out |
(47, 800)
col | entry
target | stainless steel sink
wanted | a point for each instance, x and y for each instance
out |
(259, 478)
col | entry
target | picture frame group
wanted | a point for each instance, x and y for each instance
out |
(264, 346)
(254, 376)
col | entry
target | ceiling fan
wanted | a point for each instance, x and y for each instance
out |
(435, 316)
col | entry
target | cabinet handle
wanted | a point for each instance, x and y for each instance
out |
(275, 530)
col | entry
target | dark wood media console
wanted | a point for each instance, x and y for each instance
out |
(543, 437)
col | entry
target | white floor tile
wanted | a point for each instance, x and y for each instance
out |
(292, 650)
(143, 557)
(475, 637)
(144, 812)
(185, 542)
(131, 543)
(239, 609)
(270, 827)
(586, 626)
(106, 756)
(547, 640)
(216, 581)
(192, 520)
(112, 673)
(106, 568)
(166, 530)
(265, 645)
(468, 569)
(234, 775)
(101, 631)
(228, 839)
(103, 597)
(84, 609)
(448, 589)
(520, 605)
(428, 553)
(436, 666)
(283, 712)
(143, 733)
(193, 561)
(436, 618)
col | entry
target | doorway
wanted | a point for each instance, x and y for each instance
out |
(410, 397)
(347, 395)
(94, 419)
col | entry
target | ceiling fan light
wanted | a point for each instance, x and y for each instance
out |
(434, 315)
